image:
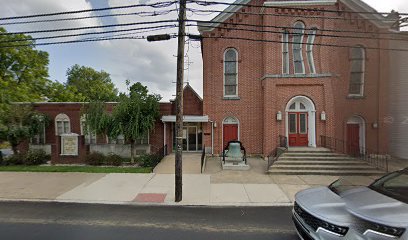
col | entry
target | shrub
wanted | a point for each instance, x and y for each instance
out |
(17, 159)
(149, 160)
(114, 160)
(95, 159)
(36, 157)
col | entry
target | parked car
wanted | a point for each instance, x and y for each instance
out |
(345, 211)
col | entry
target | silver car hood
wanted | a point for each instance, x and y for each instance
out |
(324, 204)
(371, 205)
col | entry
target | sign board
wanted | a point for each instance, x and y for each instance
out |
(69, 144)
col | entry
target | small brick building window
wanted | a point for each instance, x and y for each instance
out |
(90, 137)
(62, 124)
(39, 139)
(357, 64)
(231, 72)
(298, 32)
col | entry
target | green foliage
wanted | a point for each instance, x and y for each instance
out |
(36, 157)
(58, 92)
(95, 159)
(149, 160)
(23, 70)
(91, 84)
(20, 123)
(114, 160)
(134, 116)
(15, 159)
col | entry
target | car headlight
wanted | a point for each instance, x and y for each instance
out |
(334, 228)
(384, 229)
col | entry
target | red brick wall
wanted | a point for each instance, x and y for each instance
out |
(261, 97)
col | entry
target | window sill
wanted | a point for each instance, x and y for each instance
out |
(356, 97)
(231, 98)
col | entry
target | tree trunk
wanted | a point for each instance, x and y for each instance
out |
(132, 152)
(14, 148)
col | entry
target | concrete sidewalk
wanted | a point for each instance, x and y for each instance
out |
(198, 189)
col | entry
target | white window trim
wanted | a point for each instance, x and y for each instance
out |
(361, 94)
(89, 136)
(62, 118)
(223, 63)
(300, 48)
(309, 50)
(38, 138)
(285, 52)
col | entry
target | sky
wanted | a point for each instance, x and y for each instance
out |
(151, 63)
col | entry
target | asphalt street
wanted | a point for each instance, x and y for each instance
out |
(29, 220)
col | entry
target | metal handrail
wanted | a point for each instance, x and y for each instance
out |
(274, 155)
(370, 156)
(202, 158)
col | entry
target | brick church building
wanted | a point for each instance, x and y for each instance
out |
(306, 73)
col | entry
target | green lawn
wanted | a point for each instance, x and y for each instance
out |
(86, 169)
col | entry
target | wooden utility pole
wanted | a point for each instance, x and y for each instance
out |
(179, 101)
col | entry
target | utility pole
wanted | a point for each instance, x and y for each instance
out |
(179, 102)
(179, 96)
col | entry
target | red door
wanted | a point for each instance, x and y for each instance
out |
(353, 139)
(298, 131)
(230, 133)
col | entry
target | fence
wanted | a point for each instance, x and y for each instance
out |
(370, 156)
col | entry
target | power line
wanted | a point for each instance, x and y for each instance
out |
(87, 28)
(141, 14)
(156, 28)
(209, 12)
(209, 3)
(288, 27)
(306, 33)
(153, 5)
(303, 43)
(81, 41)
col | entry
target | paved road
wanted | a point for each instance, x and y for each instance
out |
(84, 221)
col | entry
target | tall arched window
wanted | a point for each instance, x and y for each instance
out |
(285, 52)
(298, 32)
(309, 50)
(231, 73)
(62, 124)
(357, 71)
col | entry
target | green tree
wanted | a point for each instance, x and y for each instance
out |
(20, 124)
(133, 117)
(23, 70)
(93, 85)
(58, 92)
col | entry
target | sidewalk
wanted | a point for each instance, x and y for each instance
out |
(215, 189)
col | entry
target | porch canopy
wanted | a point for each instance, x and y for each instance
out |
(186, 118)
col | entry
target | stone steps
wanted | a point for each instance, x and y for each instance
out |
(304, 161)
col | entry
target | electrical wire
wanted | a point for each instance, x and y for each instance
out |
(209, 12)
(87, 28)
(210, 3)
(153, 5)
(288, 27)
(305, 33)
(303, 43)
(141, 14)
(91, 33)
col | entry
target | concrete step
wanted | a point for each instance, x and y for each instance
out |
(323, 167)
(327, 172)
(311, 154)
(320, 162)
(326, 158)
(307, 149)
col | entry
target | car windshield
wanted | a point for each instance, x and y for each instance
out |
(394, 185)
(341, 185)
